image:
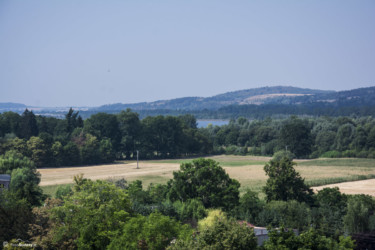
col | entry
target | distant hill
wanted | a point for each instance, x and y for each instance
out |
(250, 103)
(260, 103)
(264, 95)
(8, 106)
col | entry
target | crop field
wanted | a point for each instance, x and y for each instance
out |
(248, 170)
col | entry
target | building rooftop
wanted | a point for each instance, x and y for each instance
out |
(4, 177)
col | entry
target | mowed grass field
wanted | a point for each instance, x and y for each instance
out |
(248, 170)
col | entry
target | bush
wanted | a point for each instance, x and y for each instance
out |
(283, 153)
(363, 154)
(331, 154)
(221, 234)
(291, 214)
(349, 153)
(153, 232)
(62, 191)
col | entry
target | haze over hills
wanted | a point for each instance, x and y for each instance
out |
(278, 94)
(257, 96)
(257, 102)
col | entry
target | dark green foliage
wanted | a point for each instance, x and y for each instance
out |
(72, 121)
(28, 126)
(277, 156)
(24, 184)
(284, 183)
(291, 214)
(205, 180)
(309, 240)
(295, 135)
(223, 234)
(155, 231)
(249, 208)
(15, 216)
(71, 154)
(120, 136)
(190, 211)
(39, 151)
(360, 214)
(63, 191)
(90, 217)
(330, 210)
(130, 129)
(104, 125)
(24, 177)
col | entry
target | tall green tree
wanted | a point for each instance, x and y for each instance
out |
(89, 218)
(130, 129)
(24, 177)
(39, 151)
(359, 214)
(285, 183)
(103, 125)
(28, 125)
(330, 211)
(72, 120)
(205, 180)
(296, 136)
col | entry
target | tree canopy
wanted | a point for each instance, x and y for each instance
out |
(205, 180)
(285, 183)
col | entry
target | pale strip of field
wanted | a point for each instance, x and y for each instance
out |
(64, 175)
(353, 187)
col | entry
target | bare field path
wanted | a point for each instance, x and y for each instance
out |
(127, 170)
(353, 187)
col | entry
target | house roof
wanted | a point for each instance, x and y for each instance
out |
(4, 177)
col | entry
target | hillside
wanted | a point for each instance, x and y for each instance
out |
(278, 94)
(10, 106)
(250, 103)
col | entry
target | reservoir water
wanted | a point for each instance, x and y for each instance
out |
(204, 123)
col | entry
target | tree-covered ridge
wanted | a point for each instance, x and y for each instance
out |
(258, 103)
(212, 103)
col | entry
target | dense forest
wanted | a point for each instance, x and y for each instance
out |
(103, 138)
(201, 206)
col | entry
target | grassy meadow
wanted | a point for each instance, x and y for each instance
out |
(248, 170)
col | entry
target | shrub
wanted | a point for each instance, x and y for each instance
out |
(331, 154)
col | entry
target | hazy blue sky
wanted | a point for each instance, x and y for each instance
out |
(88, 53)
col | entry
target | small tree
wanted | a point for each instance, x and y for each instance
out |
(285, 183)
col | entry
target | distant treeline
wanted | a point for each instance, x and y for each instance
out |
(252, 111)
(304, 137)
(103, 138)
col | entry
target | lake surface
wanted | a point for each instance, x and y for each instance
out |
(204, 123)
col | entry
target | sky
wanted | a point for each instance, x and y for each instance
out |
(90, 52)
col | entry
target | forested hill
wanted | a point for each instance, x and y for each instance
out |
(255, 103)
(260, 103)
(5, 106)
(264, 95)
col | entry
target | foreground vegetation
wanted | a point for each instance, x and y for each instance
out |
(200, 207)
